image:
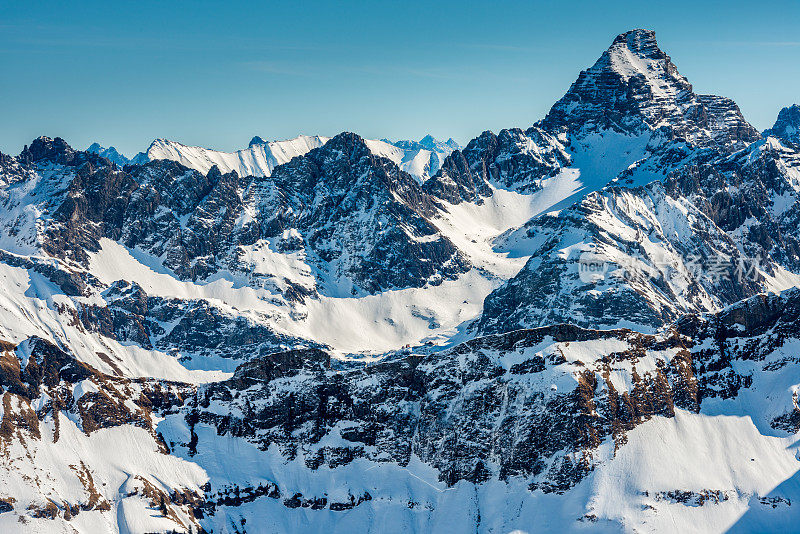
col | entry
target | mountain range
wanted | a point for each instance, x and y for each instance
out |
(420, 158)
(589, 324)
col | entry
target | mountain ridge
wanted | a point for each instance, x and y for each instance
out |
(419, 158)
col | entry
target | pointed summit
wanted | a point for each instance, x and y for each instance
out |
(636, 53)
(257, 140)
(429, 142)
(787, 127)
(54, 150)
(110, 153)
(639, 41)
(634, 88)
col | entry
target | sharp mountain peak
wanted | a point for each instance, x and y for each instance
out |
(787, 126)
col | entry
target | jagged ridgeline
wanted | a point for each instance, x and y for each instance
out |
(343, 334)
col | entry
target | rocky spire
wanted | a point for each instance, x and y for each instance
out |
(635, 87)
(44, 148)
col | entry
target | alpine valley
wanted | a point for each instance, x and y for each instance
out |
(351, 335)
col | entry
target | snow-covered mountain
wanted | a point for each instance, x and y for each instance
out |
(634, 88)
(787, 127)
(710, 235)
(423, 158)
(589, 324)
(258, 159)
(420, 159)
(109, 153)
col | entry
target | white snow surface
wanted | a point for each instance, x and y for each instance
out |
(256, 160)
(30, 305)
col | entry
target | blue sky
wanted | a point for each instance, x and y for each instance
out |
(215, 74)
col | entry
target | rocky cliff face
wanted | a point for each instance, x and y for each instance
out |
(532, 408)
(363, 217)
(512, 159)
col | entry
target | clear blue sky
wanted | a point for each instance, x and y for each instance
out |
(215, 74)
